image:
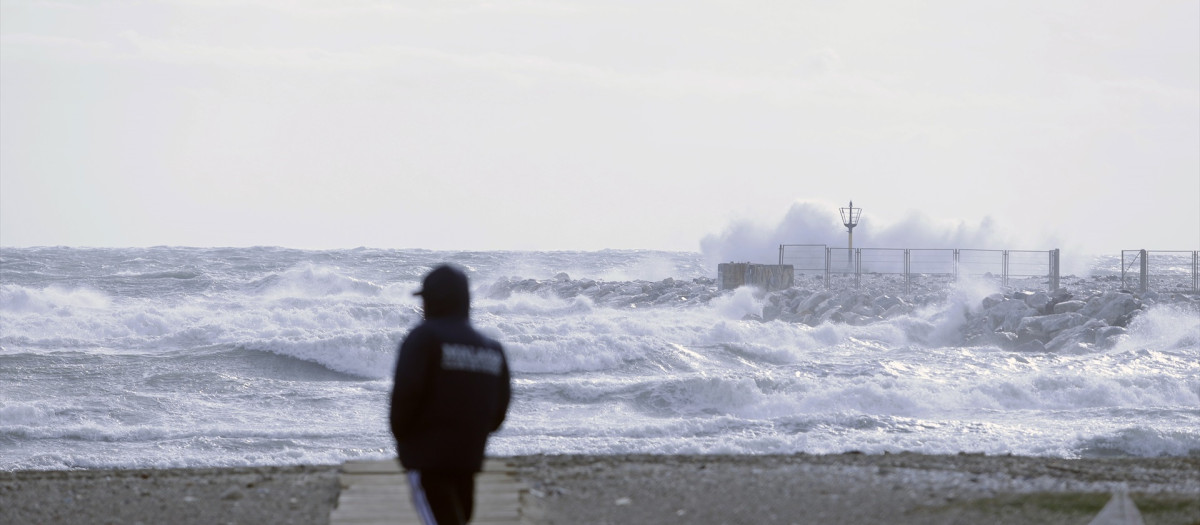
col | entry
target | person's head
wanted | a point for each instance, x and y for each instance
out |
(445, 293)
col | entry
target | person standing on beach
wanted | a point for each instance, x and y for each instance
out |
(452, 390)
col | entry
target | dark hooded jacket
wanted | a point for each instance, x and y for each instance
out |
(452, 384)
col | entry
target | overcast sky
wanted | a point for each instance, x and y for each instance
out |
(599, 124)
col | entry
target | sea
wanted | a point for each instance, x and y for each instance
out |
(203, 357)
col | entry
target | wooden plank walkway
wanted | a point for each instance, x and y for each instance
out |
(377, 492)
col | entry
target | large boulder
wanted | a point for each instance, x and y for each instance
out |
(1060, 295)
(794, 302)
(1058, 322)
(810, 305)
(887, 302)
(1069, 306)
(897, 310)
(1038, 300)
(1094, 304)
(1118, 308)
(1071, 338)
(1049, 325)
(827, 315)
(499, 290)
(1077, 337)
(868, 310)
(1109, 336)
(1007, 315)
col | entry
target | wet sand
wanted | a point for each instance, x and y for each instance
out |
(846, 488)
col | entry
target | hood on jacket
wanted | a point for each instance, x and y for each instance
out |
(445, 293)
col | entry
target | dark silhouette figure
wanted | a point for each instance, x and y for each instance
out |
(452, 389)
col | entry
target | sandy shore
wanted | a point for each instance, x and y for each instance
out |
(857, 489)
(848, 488)
(299, 495)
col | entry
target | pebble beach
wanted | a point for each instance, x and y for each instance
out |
(899, 488)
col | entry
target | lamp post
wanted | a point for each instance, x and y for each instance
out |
(850, 220)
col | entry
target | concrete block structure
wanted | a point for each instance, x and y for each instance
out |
(769, 277)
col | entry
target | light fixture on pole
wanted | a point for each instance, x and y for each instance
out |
(850, 220)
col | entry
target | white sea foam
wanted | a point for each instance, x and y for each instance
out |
(1166, 327)
(20, 300)
(19, 414)
(311, 280)
(740, 304)
(172, 357)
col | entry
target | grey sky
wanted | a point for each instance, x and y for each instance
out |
(590, 125)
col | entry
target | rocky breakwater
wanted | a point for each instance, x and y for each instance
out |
(1023, 320)
(816, 307)
(1041, 321)
(1085, 315)
(628, 294)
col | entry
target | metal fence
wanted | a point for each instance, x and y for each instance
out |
(843, 264)
(1162, 270)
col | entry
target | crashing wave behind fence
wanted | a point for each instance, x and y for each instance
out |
(841, 265)
(1159, 270)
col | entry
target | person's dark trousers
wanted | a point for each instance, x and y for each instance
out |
(443, 497)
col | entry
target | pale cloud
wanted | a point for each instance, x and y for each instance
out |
(1148, 90)
(27, 46)
(180, 52)
(641, 125)
(793, 88)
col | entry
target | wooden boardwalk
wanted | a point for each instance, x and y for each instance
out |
(376, 492)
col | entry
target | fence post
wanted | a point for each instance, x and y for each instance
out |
(781, 255)
(1055, 255)
(907, 270)
(956, 264)
(827, 258)
(1145, 271)
(1122, 268)
(1004, 267)
(857, 266)
(1196, 271)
